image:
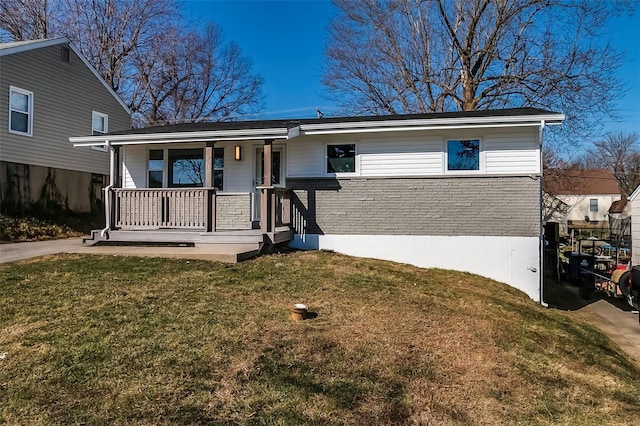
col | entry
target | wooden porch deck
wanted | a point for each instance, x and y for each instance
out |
(233, 246)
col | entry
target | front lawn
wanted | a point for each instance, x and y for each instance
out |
(123, 340)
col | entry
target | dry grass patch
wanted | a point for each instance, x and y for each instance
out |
(122, 340)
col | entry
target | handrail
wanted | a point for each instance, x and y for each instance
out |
(146, 208)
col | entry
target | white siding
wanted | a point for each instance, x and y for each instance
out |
(506, 151)
(580, 206)
(635, 230)
(400, 158)
(238, 175)
(508, 154)
(134, 166)
(305, 158)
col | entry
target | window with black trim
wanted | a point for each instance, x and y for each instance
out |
(463, 155)
(218, 168)
(20, 111)
(186, 167)
(156, 168)
(341, 158)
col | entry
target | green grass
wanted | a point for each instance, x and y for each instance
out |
(123, 340)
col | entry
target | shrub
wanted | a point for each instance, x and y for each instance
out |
(14, 229)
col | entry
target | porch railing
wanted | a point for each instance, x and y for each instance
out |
(275, 209)
(195, 208)
(187, 208)
(282, 205)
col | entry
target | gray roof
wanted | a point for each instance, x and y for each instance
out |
(18, 43)
(291, 123)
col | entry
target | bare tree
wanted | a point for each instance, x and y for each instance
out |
(29, 19)
(109, 31)
(164, 72)
(420, 56)
(193, 77)
(618, 152)
(560, 178)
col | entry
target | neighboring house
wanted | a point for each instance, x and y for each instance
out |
(583, 199)
(426, 189)
(620, 222)
(634, 199)
(49, 92)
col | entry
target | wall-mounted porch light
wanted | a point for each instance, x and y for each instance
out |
(238, 153)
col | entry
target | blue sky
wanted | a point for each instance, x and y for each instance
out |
(285, 41)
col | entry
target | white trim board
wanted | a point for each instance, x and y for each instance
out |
(511, 260)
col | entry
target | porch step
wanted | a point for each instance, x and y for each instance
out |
(174, 238)
(229, 253)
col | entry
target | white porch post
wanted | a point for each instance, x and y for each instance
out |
(108, 188)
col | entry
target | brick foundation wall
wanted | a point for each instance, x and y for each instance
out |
(451, 206)
(233, 211)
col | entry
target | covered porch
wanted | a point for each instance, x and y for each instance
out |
(147, 204)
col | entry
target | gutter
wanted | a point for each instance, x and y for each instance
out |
(107, 190)
(195, 136)
(541, 238)
(428, 124)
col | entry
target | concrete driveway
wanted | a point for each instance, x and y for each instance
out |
(614, 317)
(20, 251)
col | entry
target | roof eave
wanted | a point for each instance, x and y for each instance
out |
(431, 124)
(64, 40)
(181, 137)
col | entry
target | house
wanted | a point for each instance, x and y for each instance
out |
(582, 199)
(426, 189)
(634, 199)
(49, 92)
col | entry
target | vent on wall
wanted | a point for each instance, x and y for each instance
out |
(64, 54)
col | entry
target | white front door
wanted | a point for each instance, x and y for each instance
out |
(277, 174)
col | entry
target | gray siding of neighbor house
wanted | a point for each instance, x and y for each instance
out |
(64, 95)
(451, 206)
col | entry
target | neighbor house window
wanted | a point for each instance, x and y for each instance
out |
(99, 126)
(156, 167)
(186, 167)
(341, 158)
(218, 168)
(99, 123)
(463, 155)
(593, 205)
(20, 111)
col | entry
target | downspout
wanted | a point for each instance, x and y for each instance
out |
(541, 237)
(108, 188)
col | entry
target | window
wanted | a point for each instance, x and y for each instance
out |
(463, 155)
(20, 111)
(186, 167)
(156, 166)
(593, 205)
(99, 126)
(218, 168)
(99, 123)
(341, 158)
